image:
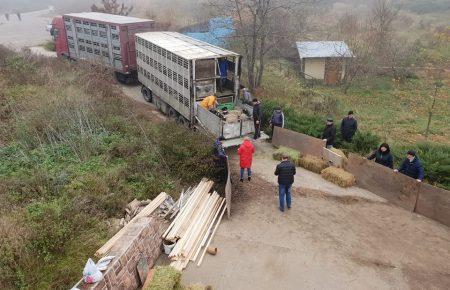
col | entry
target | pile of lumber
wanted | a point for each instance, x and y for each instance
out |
(145, 212)
(312, 163)
(338, 176)
(193, 228)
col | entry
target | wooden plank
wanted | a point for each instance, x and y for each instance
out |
(148, 210)
(211, 237)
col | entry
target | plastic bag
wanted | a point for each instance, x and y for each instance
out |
(103, 263)
(91, 273)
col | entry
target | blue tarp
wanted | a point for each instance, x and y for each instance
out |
(219, 29)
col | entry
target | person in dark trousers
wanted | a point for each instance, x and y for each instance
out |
(277, 119)
(412, 167)
(383, 156)
(329, 133)
(285, 172)
(349, 126)
(220, 158)
(257, 118)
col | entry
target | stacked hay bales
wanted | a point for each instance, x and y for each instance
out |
(312, 163)
(339, 152)
(338, 176)
(293, 155)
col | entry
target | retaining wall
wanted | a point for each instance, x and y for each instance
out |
(298, 141)
(142, 239)
(401, 190)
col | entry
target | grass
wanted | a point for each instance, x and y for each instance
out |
(72, 155)
(49, 45)
(397, 112)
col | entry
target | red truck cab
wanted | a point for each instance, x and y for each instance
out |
(58, 32)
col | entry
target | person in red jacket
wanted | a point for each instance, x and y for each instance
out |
(245, 152)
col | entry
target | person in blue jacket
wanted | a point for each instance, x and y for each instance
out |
(412, 167)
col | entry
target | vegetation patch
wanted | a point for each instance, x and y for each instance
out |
(293, 155)
(72, 155)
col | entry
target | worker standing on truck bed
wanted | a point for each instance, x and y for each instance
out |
(209, 102)
(257, 118)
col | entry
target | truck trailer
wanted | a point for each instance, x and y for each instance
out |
(177, 72)
(99, 37)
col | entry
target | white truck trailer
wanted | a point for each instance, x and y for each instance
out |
(177, 72)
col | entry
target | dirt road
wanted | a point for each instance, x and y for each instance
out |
(331, 239)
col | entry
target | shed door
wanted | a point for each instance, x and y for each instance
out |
(333, 71)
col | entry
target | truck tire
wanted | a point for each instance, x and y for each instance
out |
(147, 94)
(182, 121)
(173, 114)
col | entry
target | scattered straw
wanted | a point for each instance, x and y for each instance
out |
(338, 176)
(312, 163)
(293, 155)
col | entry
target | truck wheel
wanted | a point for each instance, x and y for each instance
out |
(182, 121)
(147, 94)
(173, 114)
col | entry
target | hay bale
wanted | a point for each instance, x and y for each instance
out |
(339, 152)
(312, 163)
(165, 278)
(294, 155)
(338, 176)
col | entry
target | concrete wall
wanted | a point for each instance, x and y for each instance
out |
(298, 141)
(314, 68)
(143, 239)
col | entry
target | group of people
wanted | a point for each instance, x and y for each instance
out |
(285, 170)
(410, 166)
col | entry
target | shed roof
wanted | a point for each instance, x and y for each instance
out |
(110, 18)
(310, 49)
(185, 46)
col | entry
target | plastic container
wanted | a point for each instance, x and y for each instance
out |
(168, 246)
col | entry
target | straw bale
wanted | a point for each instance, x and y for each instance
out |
(165, 278)
(338, 176)
(312, 163)
(339, 152)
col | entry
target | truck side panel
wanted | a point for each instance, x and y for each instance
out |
(166, 75)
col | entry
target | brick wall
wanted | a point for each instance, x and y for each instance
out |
(142, 239)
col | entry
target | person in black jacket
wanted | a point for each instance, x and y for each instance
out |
(383, 156)
(257, 118)
(349, 126)
(277, 119)
(412, 167)
(285, 172)
(329, 133)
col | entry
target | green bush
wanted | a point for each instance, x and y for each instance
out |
(363, 142)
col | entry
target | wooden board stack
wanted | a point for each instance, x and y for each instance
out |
(194, 226)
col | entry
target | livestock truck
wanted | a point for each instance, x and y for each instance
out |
(99, 37)
(177, 72)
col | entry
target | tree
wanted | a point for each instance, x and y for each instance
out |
(382, 16)
(112, 7)
(260, 25)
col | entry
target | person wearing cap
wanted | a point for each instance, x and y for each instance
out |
(285, 172)
(277, 119)
(412, 167)
(329, 133)
(257, 118)
(349, 125)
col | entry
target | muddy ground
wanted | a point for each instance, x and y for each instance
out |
(332, 238)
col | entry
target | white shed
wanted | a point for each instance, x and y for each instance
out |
(324, 60)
